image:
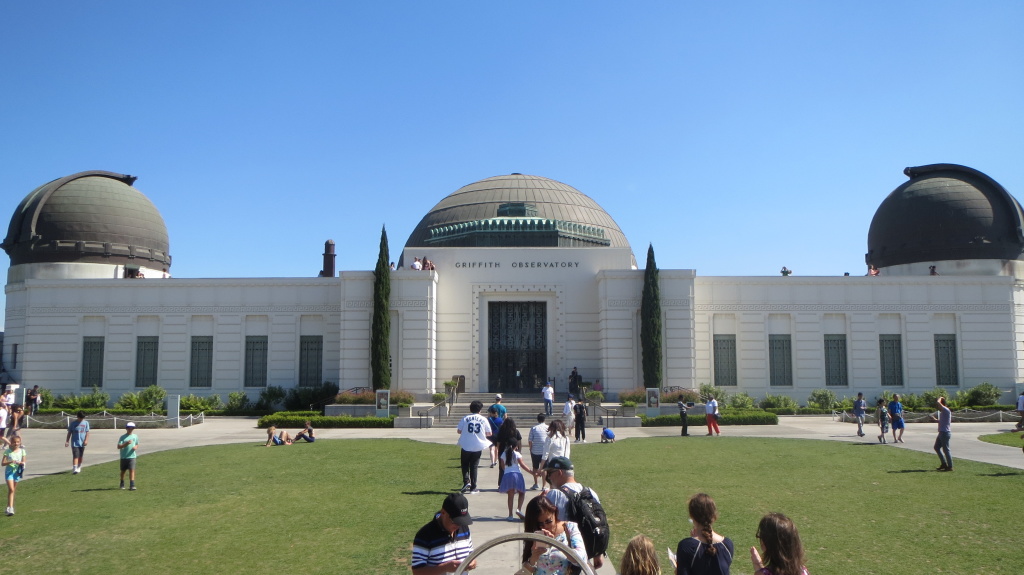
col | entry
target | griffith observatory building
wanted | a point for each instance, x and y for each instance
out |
(532, 278)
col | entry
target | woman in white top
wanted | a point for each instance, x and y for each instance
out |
(558, 444)
(568, 415)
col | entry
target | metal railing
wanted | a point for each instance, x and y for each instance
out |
(568, 551)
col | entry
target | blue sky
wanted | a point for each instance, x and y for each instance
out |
(737, 137)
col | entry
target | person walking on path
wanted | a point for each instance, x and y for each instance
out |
(474, 433)
(497, 406)
(549, 398)
(129, 446)
(557, 444)
(562, 477)
(860, 407)
(568, 413)
(13, 463)
(945, 417)
(512, 480)
(711, 411)
(580, 412)
(537, 440)
(77, 439)
(681, 404)
(1020, 411)
(883, 420)
(441, 545)
(896, 412)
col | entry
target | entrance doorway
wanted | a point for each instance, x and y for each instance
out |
(517, 352)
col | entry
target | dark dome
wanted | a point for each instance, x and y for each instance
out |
(945, 212)
(90, 217)
(512, 211)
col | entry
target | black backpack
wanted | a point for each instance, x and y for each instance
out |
(588, 514)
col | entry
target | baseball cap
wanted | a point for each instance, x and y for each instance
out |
(130, 424)
(559, 463)
(497, 396)
(457, 507)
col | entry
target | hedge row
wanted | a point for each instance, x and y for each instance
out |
(297, 419)
(734, 418)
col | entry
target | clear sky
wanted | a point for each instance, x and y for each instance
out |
(736, 137)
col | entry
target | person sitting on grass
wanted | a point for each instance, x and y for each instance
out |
(306, 433)
(276, 437)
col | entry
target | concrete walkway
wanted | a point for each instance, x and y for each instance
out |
(47, 455)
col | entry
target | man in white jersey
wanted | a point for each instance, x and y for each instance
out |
(474, 429)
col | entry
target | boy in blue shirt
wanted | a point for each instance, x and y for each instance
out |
(607, 435)
(129, 445)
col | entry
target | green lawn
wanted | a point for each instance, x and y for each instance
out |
(1012, 439)
(352, 506)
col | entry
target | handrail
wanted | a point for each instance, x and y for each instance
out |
(524, 537)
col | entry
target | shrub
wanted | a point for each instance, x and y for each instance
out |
(297, 419)
(930, 399)
(983, 394)
(306, 397)
(238, 401)
(195, 403)
(912, 402)
(823, 399)
(628, 403)
(707, 391)
(364, 398)
(728, 418)
(270, 396)
(93, 400)
(595, 396)
(402, 398)
(151, 399)
(439, 397)
(45, 398)
(741, 400)
(778, 401)
(684, 395)
(637, 395)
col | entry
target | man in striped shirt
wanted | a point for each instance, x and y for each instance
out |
(441, 545)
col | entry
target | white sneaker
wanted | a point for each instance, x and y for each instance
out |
(10, 511)
(76, 470)
(474, 492)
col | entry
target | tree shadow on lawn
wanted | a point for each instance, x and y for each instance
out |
(910, 471)
(97, 489)
(427, 492)
(1009, 474)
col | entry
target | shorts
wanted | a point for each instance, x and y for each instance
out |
(536, 458)
(77, 452)
(128, 464)
(13, 473)
(277, 440)
(897, 423)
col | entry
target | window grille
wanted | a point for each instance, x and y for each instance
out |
(92, 362)
(146, 352)
(945, 360)
(780, 359)
(311, 360)
(835, 360)
(201, 368)
(255, 361)
(890, 351)
(725, 360)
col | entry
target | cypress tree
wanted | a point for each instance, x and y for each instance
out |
(650, 323)
(380, 331)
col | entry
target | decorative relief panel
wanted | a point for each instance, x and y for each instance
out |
(209, 309)
(866, 307)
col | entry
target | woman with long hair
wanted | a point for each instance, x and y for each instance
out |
(781, 546)
(704, 552)
(540, 559)
(558, 444)
(640, 558)
(507, 434)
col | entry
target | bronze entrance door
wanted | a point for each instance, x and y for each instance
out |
(517, 353)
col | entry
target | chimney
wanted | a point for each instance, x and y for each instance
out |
(328, 271)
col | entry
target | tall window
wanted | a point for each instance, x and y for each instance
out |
(725, 360)
(311, 360)
(945, 360)
(146, 351)
(890, 351)
(92, 362)
(201, 368)
(835, 359)
(255, 361)
(780, 359)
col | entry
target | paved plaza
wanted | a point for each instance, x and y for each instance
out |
(489, 508)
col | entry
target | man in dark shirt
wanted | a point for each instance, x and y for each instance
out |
(441, 545)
